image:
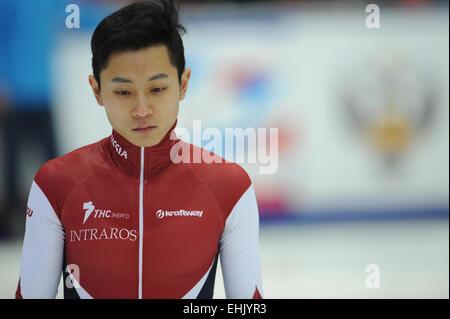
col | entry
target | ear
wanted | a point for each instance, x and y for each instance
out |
(184, 83)
(95, 89)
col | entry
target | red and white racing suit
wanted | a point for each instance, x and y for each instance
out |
(122, 221)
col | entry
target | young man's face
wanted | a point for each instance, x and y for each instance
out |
(141, 93)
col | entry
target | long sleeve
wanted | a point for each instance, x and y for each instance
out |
(239, 250)
(43, 249)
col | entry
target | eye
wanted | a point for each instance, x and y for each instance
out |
(157, 90)
(122, 93)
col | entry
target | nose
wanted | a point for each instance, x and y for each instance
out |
(142, 108)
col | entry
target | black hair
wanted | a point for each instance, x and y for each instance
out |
(137, 26)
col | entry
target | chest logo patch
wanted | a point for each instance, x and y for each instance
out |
(160, 213)
(89, 209)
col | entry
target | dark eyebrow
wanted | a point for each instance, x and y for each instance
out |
(121, 80)
(158, 76)
(155, 77)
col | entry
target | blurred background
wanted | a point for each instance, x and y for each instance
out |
(358, 207)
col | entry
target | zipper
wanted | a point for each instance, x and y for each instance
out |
(141, 220)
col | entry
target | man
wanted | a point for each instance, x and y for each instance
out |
(120, 217)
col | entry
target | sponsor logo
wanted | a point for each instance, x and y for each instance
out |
(89, 208)
(118, 148)
(166, 213)
(29, 212)
(103, 234)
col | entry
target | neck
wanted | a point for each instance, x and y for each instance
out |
(127, 156)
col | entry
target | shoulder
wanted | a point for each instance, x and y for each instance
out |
(212, 167)
(73, 164)
(228, 181)
(58, 176)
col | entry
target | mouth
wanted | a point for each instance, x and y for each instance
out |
(144, 129)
